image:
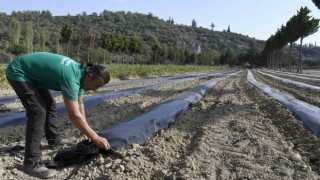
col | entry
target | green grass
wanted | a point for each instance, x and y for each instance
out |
(124, 71)
(3, 81)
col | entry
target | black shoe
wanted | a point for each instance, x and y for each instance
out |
(39, 170)
(62, 141)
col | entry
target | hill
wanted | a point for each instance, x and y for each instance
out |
(161, 41)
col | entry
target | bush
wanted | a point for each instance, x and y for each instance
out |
(18, 49)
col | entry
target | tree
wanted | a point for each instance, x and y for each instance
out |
(209, 58)
(228, 29)
(307, 26)
(43, 38)
(29, 37)
(14, 31)
(90, 42)
(172, 21)
(194, 23)
(107, 39)
(156, 48)
(293, 36)
(231, 57)
(281, 39)
(317, 3)
(66, 34)
(76, 41)
(5, 45)
(57, 48)
(252, 54)
(18, 49)
(150, 15)
(171, 55)
(212, 26)
(135, 45)
(118, 43)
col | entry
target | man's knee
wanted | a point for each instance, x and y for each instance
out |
(37, 112)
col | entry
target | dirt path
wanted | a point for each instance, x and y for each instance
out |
(235, 132)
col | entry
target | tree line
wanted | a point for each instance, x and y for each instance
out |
(125, 37)
(297, 27)
(116, 37)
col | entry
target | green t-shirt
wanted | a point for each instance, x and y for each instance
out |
(48, 71)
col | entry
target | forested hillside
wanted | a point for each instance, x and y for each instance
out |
(126, 37)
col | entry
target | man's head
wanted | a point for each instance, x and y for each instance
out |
(95, 77)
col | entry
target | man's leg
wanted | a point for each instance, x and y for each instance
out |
(36, 117)
(36, 114)
(52, 132)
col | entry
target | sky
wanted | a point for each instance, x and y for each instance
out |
(255, 18)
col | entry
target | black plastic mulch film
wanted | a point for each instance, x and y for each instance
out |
(137, 130)
(308, 114)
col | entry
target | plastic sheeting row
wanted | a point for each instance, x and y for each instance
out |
(137, 130)
(309, 114)
(296, 75)
(299, 84)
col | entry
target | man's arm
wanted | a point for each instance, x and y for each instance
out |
(80, 122)
(81, 106)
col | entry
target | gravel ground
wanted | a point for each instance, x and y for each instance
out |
(234, 132)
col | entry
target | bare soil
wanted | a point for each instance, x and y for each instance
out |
(234, 132)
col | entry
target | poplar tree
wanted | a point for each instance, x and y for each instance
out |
(43, 41)
(57, 48)
(14, 31)
(29, 37)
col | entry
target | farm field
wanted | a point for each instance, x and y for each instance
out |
(234, 132)
(314, 72)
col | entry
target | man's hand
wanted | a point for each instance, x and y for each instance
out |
(79, 120)
(101, 142)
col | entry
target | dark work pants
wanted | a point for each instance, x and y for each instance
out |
(41, 117)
